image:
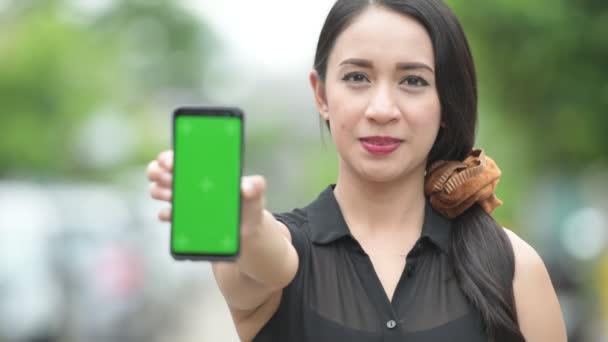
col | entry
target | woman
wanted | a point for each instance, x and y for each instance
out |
(402, 247)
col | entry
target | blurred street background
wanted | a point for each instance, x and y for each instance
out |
(86, 92)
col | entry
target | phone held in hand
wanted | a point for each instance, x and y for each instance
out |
(207, 167)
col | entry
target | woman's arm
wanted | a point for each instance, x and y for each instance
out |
(267, 263)
(539, 314)
(252, 285)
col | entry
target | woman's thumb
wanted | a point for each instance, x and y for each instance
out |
(252, 190)
(253, 187)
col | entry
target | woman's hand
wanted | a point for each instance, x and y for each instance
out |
(267, 261)
(253, 189)
(160, 173)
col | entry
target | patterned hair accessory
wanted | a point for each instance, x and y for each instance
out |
(454, 186)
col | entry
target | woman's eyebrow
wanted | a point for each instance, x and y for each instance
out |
(413, 66)
(364, 63)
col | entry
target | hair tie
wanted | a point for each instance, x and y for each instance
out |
(454, 186)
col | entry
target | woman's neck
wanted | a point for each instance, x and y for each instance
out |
(373, 209)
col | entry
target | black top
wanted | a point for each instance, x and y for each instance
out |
(337, 296)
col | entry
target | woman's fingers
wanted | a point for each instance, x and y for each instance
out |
(152, 170)
(165, 160)
(160, 193)
(159, 175)
(165, 215)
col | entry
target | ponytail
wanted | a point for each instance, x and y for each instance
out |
(484, 266)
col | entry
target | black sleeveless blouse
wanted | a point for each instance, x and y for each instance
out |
(337, 296)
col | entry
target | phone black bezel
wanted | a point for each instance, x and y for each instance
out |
(212, 111)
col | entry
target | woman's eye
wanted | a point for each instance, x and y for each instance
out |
(355, 77)
(415, 81)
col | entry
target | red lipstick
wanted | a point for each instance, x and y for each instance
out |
(380, 145)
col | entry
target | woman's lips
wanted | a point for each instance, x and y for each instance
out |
(380, 145)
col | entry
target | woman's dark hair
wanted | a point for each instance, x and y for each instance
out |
(481, 252)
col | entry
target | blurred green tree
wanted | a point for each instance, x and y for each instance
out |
(543, 64)
(63, 62)
(541, 67)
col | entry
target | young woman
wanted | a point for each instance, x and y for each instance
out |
(402, 247)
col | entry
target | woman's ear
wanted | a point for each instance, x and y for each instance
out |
(318, 89)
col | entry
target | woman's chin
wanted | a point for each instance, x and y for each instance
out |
(380, 175)
(380, 172)
(388, 173)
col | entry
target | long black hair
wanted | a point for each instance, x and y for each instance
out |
(481, 252)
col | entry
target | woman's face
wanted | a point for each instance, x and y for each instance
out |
(379, 95)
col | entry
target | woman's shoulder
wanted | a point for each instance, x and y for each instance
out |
(530, 269)
(296, 217)
(538, 309)
(527, 258)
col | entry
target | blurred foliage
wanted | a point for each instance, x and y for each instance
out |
(543, 65)
(67, 67)
(64, 63)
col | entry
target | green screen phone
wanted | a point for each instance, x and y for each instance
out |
(207, 166)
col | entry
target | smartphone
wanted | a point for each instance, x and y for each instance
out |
(207, 168)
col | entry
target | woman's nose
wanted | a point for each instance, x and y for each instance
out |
(382, 107)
